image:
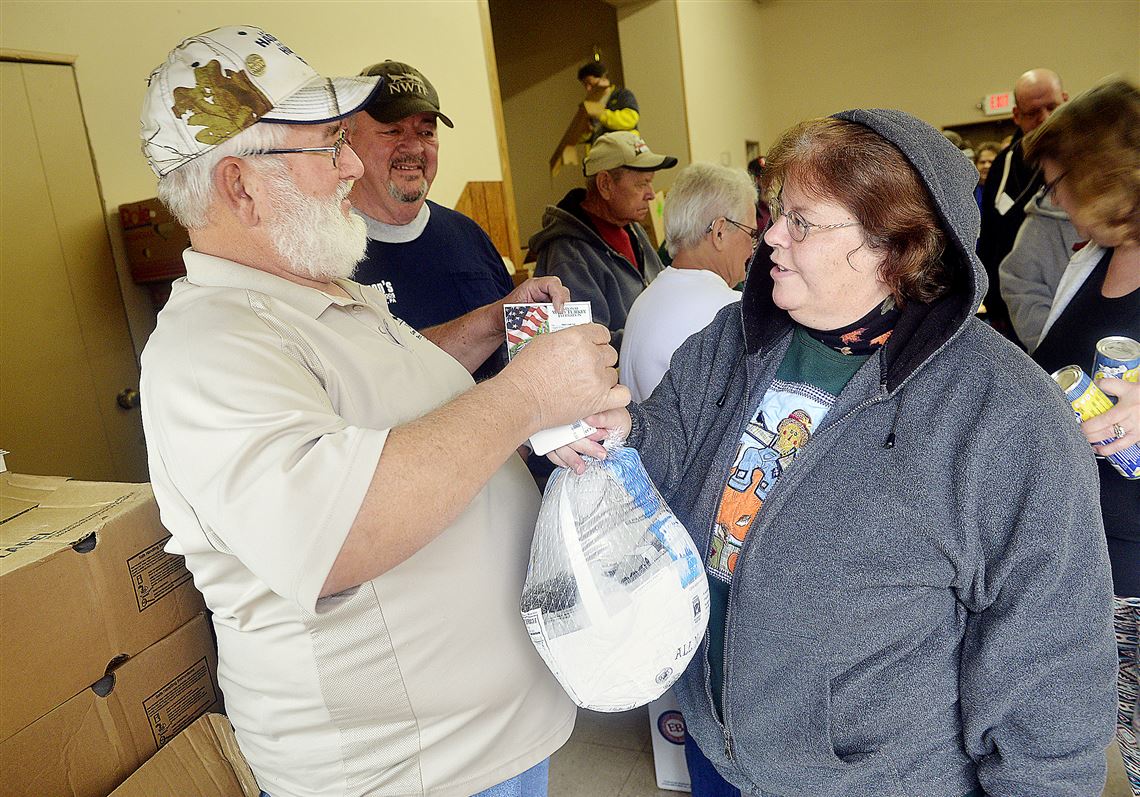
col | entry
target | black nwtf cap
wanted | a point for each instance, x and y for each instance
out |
(405, 91)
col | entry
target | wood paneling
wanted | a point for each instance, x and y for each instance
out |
(486, 203)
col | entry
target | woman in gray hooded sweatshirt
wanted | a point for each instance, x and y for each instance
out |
(899, 515)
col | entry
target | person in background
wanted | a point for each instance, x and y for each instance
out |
(348, 500)
(618, 106)
(711, 231)
(592, 239)
(1036, 94)
(432, 263)
(910, 588)
(983, 159)
(1030, 273)
(963, 146)
(1089, 152)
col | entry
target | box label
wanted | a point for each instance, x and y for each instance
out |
(156, 573)
(181, 701)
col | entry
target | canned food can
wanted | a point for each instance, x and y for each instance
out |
(1089, 401)
(1117, 357)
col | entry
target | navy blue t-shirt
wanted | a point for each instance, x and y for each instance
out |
(451, 269)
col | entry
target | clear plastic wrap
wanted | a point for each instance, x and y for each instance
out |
(616, 600)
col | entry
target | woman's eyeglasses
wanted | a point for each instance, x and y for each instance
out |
(1050, 188)
(798, 226)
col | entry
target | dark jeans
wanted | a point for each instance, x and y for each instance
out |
(706, 781)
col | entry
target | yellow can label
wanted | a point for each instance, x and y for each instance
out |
(1091, 403)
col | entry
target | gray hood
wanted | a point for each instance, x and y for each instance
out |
(1045, 208)
(923, 327)
(559, 222)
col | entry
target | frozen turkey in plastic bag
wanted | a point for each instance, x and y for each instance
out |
(616, 600)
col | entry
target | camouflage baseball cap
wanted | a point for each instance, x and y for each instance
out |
(405, 91)
(221, 82)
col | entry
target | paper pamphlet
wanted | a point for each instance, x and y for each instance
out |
(523, 323)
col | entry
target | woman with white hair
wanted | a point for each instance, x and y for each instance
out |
(711, 233)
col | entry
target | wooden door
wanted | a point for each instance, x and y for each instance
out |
(65, 350)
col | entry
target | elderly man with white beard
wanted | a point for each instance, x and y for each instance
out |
(348, 500)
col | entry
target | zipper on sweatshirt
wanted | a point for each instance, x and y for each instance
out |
(635, 239)
(724, 684)
(720, 714)
(724, 653)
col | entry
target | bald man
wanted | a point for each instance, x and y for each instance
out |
(1012, 183)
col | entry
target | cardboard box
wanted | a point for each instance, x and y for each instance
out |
(667, 730)
(579, 129)
(84, 584)
(91, 743)
(566, 153)
(204, 760)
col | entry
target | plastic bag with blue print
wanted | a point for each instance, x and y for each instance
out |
(616, 600)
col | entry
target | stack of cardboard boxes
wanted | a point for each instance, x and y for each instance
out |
(203, 761)
(105, 651)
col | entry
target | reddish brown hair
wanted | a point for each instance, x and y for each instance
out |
(850, 164)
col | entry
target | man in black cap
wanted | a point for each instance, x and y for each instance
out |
(432, 263)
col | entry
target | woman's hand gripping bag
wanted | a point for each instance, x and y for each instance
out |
(616, 599)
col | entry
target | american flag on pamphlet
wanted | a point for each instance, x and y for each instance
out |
(523, 322)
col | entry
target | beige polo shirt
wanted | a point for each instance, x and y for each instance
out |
(266, 405)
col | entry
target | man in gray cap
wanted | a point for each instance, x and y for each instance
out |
(592, 239)
(348, 500)
(433, 263)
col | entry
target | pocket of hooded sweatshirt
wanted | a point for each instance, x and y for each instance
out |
(780, 718)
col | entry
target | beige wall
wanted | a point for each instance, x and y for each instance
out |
(538, 49)
(651, 50)
(749, 69)
(118, 43)
(720, 53)
(931, 58)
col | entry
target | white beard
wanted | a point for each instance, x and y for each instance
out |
(313, 235)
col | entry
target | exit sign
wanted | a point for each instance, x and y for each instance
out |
(996, 104)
